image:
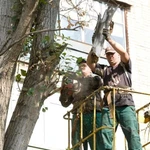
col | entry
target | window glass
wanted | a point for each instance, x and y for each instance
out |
(93, 9)
(88, 33)
(73, 34)
(119, 40)
(119, 16)
(118, 30)
(119, 34)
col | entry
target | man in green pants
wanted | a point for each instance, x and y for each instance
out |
(118, 74)
(74, 94)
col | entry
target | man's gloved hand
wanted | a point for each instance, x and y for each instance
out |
(94, 58)
(111, 25)
(106, 33)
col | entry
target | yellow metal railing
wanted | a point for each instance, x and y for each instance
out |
(37, 148)
(79, 107)
(148, 126)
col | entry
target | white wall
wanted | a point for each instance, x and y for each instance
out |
(51, 129)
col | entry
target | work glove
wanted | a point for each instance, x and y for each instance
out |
(94, 58)
(106, 34)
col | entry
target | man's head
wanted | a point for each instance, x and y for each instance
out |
(109, 50)
(112, 56)
(85, 69)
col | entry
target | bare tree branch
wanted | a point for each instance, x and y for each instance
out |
(36, 32)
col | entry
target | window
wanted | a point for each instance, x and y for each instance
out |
(93, 9)
(88, 33)
(75, 35)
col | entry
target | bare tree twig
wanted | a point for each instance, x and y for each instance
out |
(56, 90)
(36, 32)
(44, 30)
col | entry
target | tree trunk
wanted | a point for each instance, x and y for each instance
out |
(43, 61)
(6, 82)
(9, 32)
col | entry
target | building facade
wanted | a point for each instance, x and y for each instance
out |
(132, 31)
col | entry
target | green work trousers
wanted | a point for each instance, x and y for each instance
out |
(87, 129)
(126, 117)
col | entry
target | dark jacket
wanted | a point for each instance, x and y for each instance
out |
(77, 92)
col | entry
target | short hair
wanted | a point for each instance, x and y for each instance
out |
(80, 61)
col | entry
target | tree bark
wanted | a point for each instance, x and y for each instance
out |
(10, 32)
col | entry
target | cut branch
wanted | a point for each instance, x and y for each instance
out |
(104, 22)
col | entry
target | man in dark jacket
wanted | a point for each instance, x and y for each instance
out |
(75, 93)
